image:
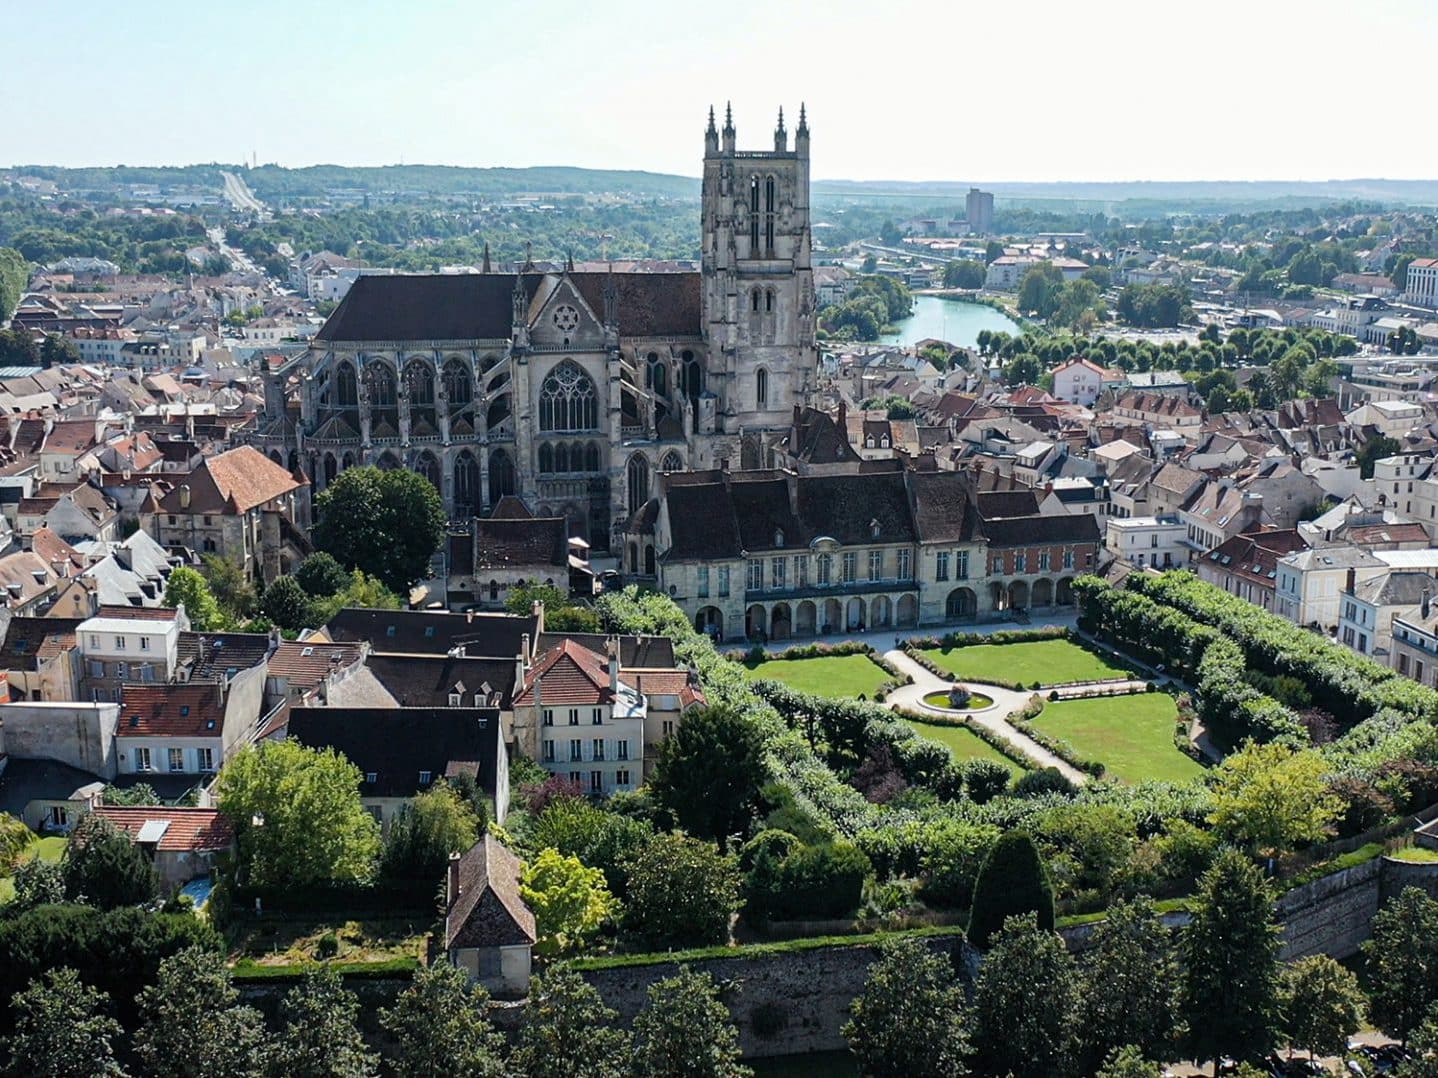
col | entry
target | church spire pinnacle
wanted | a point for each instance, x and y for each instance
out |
(803, 120)
(569, 261)
(486, 258)
(728, 117)
(711, 120)
(781, 137)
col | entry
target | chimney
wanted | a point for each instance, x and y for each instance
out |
(451, 882)
(1427, 603)
(184, 495)
(1352, 580)
(843, 421)
(469, 617)
(611, 649)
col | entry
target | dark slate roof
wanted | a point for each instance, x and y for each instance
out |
(488, 910)
(701, 521)
(815, 438)
(941, 506)
(219, 656)
(480, 306)
(427, 306)
(765, 519)
(396, 744)
(1037, 530)
(427, 680)
(433, 632)
(994, 504)
(29, 639)
(843, 507)
(509, 544)
(24, 781)
(644, 652)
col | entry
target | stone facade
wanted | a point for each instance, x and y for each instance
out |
(572, 390)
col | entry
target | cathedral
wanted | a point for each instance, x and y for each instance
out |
(573, 391)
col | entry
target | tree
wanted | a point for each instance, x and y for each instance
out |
(964, 274)
(1128, 1062)
(1013, 881)
(1402, 960)
(232, 589)
(386, 523)
(1126, 986)
(993, 250)
(682, 893)
(1228, 979)
(194, 992)
(435, 824)
(599, 838)
(439, 1025)
(313, 829)
(319, 1035)
(1023, 1001)
(188, 588)
(287, 604)
(684, 1031)
(1039, 289)
(1271, 797)
(910, 1018)
(14, 276)
(321, 576)
(1322, 1006)
(15, 839)
(1422, 1061)
(141, 794)
(1022, 370)
(569, 901)
(568, 1031)
(560, 614)
(103, 868)
(1374, 450)
(62, 1030)
(37, 882)
(709, 772)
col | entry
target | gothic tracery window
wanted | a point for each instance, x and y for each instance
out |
(761, 388)
(567, 400)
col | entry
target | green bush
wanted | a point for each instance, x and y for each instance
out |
(328, 946)
(1012, 881)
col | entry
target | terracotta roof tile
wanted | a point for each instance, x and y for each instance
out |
(171, 711)
(188, 830)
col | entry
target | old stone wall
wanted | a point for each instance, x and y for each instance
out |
(1331, 915)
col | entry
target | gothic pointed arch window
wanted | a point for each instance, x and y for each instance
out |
(768, 301)
(671, 462)
(561, 458)
(501, 475)
(466, 483)
(753, 216)
(761, 388)
(656, 375)
(458, 384)
(636, 474)
(428, 467)
(591, 457)
(546, 459)
(568, 400)
(769, 207)
(346, 385)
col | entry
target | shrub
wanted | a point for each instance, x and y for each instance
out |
(1043, 781)
(1363, 805)
(822, 881)
(1013, 881)
(985, 780)
(328, 946)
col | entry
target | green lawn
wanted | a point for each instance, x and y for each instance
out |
(963, 743)
(1049, 662)
(825, 675)
(1131, 735)
(47, 849)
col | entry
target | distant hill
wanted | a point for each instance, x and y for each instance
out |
(271, 182)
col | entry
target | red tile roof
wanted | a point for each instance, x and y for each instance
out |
(171, 711)
(189, 829)
(232, 482)
(305, 671)
(568, 673)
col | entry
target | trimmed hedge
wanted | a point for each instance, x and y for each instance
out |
(1004, 748)
(247, 969)
(1022, 721)
(1013, 881)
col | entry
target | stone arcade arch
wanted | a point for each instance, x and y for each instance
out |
(1065, 595)
(961, 604)
(907, 612)
(781, 622)
(755, 623)
(854, 614)
(710, 619)
(880, 612)
(1042, 593)
(833, 617)
(804, 619)
(1018, 595)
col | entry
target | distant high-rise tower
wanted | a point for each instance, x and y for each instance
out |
(979, 209)
(758, 279)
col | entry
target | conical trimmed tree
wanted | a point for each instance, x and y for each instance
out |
(1013, 881)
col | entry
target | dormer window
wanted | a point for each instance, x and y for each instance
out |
(778, 537)
(371, 777)
(456, 699)
(184, 710)
(306, 653)
(873, 529)
(424, 778)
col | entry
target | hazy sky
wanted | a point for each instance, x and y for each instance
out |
(896, 89)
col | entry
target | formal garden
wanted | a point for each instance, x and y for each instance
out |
(1133, 736)
(1022, 663)
(839, 671)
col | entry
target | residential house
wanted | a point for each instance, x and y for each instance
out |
(240, 505)
(401, 752)
(488, 930)
(39, 660)
(122, 644)
(1082, 381)
(1370, 606)
(1147, 542)
(1246, 564)
(181, 842)
(175, 735)
(1311, 583)
(506, 552)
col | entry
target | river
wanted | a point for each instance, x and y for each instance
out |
(952, 320)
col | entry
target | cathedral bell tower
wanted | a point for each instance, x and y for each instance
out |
(758, 278)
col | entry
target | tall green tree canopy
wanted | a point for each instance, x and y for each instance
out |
(63, 1030)
(682, 893)
(568, 1031)
(909, 1021)
(1023, 1002)
(709, 772)
(319, 1035)
(297, 815)
(1322, 1005)
(1013, 881)
(439, 1026)
(190, 588)
(194, 992)
(103, 868)
(685, 1031)
(1228, 984)
(1402, 959)
(1126, 980)
(385, 523)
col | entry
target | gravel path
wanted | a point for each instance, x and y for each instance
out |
(995, 719)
